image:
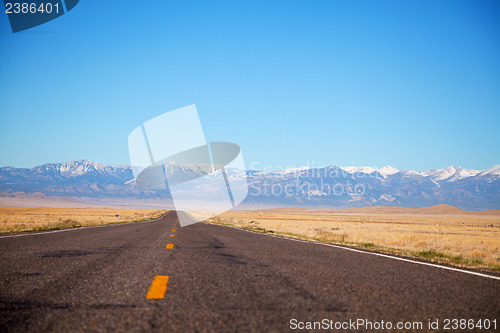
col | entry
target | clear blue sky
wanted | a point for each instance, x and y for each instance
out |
(413, 84)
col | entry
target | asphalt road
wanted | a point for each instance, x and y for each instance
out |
(220, 279)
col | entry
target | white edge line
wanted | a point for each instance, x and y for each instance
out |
(367, 252)
(78, 228)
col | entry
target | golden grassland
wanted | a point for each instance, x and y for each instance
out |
(461, 240)
(22, 219)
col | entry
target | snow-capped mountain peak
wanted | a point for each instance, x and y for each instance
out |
(495, 170)
(293, 170)
(78, 168)
(463, 173)
(353, 169)
(387, 171)
(409, 172)
(445, 173)
(451, 173)
(384, 171)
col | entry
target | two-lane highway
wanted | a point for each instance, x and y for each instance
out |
(213, 278)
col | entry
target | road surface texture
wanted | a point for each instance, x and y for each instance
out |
(220, 279)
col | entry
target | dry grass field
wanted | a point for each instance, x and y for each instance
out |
(467, 239)
(22, 219)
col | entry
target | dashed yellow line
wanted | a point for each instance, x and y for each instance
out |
(172, 235)
(169, 246)
(158, 287)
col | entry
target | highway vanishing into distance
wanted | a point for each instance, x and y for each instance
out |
(157, 276)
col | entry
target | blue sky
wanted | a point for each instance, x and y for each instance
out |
(413, 84)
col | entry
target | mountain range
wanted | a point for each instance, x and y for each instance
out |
(332, 186)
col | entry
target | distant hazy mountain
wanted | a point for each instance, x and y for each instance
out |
(321, 187)
(73, 179)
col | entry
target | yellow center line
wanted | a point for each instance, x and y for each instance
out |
(158, 287)
(172, 235)
(170, 246)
